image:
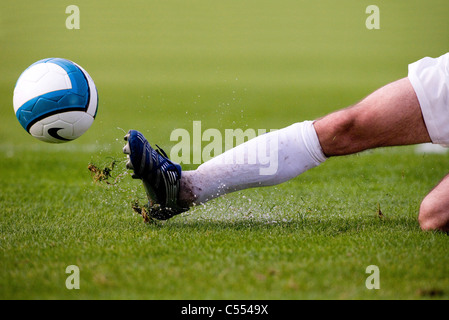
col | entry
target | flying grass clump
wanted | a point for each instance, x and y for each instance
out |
(144, 211)
(104, 174)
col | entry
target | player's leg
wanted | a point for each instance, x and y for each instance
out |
(408, 111)
(266, 160)
(344, 132)
(434, 210)
(390, 116)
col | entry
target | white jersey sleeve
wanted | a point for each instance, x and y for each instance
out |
(430, 79)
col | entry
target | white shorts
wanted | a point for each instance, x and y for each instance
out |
(430, 79)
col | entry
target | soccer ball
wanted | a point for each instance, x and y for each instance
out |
(55, 100)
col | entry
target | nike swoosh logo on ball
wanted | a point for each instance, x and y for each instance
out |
(54, 133)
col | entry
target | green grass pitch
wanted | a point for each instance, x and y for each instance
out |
(160, 65)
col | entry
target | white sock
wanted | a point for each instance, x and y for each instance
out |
(266, 160)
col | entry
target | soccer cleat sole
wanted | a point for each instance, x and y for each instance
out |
(127, 151)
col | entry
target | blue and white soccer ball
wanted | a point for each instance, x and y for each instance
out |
(55, 100)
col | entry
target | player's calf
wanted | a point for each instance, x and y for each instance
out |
(433, 218)
(434, 210)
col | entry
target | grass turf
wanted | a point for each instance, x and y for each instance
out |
(255, 64)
